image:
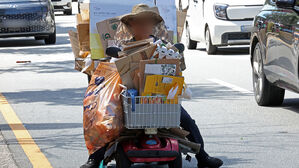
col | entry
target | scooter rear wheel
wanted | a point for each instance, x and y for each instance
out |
(121, 158)
(177, 163)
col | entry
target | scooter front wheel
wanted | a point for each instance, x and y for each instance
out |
(121, 158)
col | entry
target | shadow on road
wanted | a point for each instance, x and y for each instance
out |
(237, 51)
(233, 51)
(45, 67)
(216, 92)
(66, 97)
(291, 104)
(62, 141)
(34, 47)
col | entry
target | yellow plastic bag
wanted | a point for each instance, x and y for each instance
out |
(103, 115)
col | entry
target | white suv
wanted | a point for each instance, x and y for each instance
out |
(63, 5)
(220, 22)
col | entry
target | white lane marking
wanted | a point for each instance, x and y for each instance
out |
(231, 86)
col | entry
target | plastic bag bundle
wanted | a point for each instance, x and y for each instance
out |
(102, 117)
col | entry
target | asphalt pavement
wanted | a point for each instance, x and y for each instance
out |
(47, 95)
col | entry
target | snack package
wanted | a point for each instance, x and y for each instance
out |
(103, 115)
(162, 84)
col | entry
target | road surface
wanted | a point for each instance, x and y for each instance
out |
(47, 95)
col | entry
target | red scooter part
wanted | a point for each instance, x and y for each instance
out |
(151, 149)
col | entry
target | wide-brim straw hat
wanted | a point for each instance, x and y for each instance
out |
(142, 10)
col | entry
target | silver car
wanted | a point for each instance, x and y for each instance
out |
(22, 18)
(63, 5)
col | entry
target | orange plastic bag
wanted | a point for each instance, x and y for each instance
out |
(103, 115)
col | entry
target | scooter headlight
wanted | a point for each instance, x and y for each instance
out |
(220, 11)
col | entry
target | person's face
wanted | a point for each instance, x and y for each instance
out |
(142, 26)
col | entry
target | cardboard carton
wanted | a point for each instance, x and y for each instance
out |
(80, 65)
(84, 9)
(181, 19)
(107, 30)
(83, 36)
(74, 43)
(128, 66)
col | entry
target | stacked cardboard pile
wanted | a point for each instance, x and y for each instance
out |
(151, 69)
(80, 45)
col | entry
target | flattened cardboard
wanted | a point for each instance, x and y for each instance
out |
(107, 30)
(136, 44)
(83, 34)
(181, 19)
(128, 65)
(74, 43)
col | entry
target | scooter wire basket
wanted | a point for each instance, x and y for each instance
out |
(141, 112)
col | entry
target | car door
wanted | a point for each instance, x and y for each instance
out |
(266, 25)
(296, 41)
(287, 56)
(195, 18)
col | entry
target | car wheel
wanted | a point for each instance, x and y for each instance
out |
(211, 49)
(177, 163)
(121, 158)
(68, 12)
(191, 44)
(51, 39)
(266, 94)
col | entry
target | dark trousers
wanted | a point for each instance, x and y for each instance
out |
(187, 123)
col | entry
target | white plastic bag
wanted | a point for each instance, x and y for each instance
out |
(187, 93)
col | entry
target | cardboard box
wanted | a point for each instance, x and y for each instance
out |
(80, 20)
(143, 63)
(107, 30)
(181, 19)
(80, 64)
(102, 9)
(136, 44)
(74, 43)
(133, 47)
(84, 9)
(83, 36)
(128, 66)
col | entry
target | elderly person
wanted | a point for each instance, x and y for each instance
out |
(141, 23)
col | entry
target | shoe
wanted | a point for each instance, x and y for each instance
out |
(210, 162)
(91, 163)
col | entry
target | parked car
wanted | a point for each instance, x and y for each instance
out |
(80, 2)
(63, 5)
(274, 51)
(28, 18)
(220, 22)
